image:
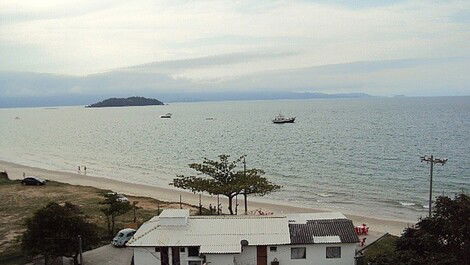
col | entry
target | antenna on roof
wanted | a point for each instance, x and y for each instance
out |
(244, 243)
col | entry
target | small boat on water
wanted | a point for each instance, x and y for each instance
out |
(281, 119)
(166, 116)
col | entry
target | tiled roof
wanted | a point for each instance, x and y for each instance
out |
(304, 217)
(305, 233)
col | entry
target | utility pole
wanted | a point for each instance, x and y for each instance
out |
(431, 160)
(134, 203)
(244, 193)
(80, 249)
(236, 204)
(200, 204)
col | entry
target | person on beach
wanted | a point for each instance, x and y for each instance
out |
(84, 170)
(78, 169)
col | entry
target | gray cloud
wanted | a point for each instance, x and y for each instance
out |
(410, 77)
(213, 60)
(59, 11)
(131, 47)
(417, 77)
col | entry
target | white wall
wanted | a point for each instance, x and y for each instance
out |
(315, 255)
(219, 259)
(247, 256)
(148, 256)
(143, 256)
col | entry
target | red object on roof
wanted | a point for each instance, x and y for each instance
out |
(361, 230)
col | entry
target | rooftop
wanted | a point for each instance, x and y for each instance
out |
(304, 217)
(323, 231)
(175, 213)
(223, 234)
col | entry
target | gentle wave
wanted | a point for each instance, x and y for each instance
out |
(353, 155)
(407, 203)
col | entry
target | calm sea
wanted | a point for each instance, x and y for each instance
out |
(359, 156)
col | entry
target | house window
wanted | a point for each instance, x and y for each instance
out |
(194, 262)
(193, 251)
(298, 253)
(273, 249)
(333, 252)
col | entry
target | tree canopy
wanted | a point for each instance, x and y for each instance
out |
(114, 207)
(121, 102)
(442, 239)
(222, 178)
(252, 182)
(53, 231)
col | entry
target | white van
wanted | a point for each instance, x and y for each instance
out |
(122, 237)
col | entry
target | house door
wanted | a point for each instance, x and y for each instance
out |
(175, 256)
(164, 256)
(261, 255)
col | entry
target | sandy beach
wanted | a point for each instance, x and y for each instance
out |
(15, 171)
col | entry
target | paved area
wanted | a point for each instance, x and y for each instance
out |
(108, 255)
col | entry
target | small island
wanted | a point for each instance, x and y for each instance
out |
(125, 102)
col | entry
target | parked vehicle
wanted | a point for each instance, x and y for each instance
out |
(119, 197)
(122, 237)
(122, 198)
(33, 181)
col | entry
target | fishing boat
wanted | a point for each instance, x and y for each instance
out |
(281, 119)
(166, 116)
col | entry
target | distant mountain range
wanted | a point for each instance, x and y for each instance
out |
(261, 95)
(77, 100)
(189, 80)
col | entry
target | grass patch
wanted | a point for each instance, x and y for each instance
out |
(19, 202)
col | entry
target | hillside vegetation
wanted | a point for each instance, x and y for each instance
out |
(18, 203)
(124, 102)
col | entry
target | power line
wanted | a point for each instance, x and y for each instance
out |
(431, 160)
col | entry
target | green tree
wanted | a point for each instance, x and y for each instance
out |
(53, 232)
(252, 182)
(442, 239)
(114, 207)
(221, 178)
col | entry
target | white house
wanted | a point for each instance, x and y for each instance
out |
(175, 238)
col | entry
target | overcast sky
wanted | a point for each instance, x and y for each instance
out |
(381, 47)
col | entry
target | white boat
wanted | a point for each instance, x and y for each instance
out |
(281, 119)
(166, 116)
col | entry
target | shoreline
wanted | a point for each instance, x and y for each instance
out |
(15, 171)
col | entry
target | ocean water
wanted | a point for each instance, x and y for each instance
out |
(357, 155)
